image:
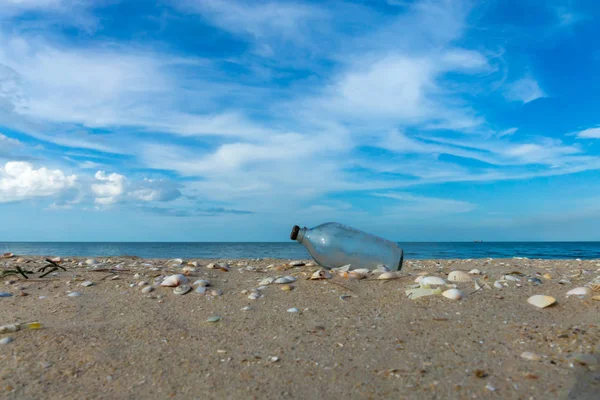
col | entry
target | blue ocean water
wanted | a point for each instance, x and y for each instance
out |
(293, 250)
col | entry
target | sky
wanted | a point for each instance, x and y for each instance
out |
(225, 120)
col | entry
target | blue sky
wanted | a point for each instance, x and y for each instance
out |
(205, 120)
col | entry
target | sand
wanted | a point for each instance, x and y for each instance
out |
(115, 342)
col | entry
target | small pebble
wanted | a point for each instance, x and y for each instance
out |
(148, 289)
(213, 319)
(43, 297)
(87, 283)
(5, 294)
(530, 356)
(216, 292)
(273, 359)
(74, 294)
(247, 308)
(293, 310)
(6, 340)
(287, 288)
(142, 283)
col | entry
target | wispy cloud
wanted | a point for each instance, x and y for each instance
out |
(409, 203)
(590, 133)
(524, 90)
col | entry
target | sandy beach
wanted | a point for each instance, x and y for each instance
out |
(349, 339)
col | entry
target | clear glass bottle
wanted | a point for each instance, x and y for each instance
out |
(333, 245)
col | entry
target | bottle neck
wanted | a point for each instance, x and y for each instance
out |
(301, 235)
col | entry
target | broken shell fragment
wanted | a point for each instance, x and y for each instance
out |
(188, 270)
(453, 294)
(580, 292)
(174, 280)
(287, 287)
(475, 272)
(547, 276)
(595, 287)
(356, 275)
(511, 278)
(421, 292)
(459, 276)
(182, 289)
(285, 279)
(498, 285)
(266, 281)
(530, 356)
(541, 301)
(320, 274)
(7, 255)
(175, 262)
(201, 283)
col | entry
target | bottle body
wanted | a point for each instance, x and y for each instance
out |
(333, 245)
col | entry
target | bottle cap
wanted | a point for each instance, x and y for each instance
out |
(294, 234)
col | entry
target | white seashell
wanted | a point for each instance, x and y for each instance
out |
(285, 279)
(188, 270)
(266, 281)
(511, 278)
(320, 274)
(201, 283)
(247, 308)
(137, 276)
(580, 291)
(356, 275)
(182, 289)
(254, 296)
(174, 280)
(175, 262)
(343, 268)
(296, 263)
(6, 340)
(530, 356)
(541, 301)
(432, 281)
(193, 263)
(475, 272)
(421, 292)
(459, 276)
(293, 310)
(498, 285)
(389, 275)
(216, 292)
(148, 289)
(74, 294)
(91, 261)
(212, 266)
(564, 282)
(365, 271)
(87, 283)
(453, 294)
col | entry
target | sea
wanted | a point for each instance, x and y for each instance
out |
(293, 250)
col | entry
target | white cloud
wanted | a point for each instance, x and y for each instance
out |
(524, 90)
(590, 133)
(108, 192)
(21, 181)
(409, 203)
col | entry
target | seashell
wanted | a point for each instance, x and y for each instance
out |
(343, 268)
(580, 291)
(8, 255)
(530, 356)
(541, 301)
(287, 287)
(285, 279)
(432, 281)
(200, 290)
(511, 278)
(293, 310)
(87, 283)
(498, 285)
(212, 266)
(91, 261)
(320, 274)
(596, 298)
(148, 289)
(453, 294)
(5, 294)
(459, 276)
(273, 359)
(6, 340)
(266, 281)
(188, 270)
(201, 283)
(365, 271)
(216, 292)
(297, 264)
(547, 276)
(254, 296)
(247, 308)
(57, 260)
(223, 267)
(595, 287)
(74, 294)
(481, 285)
(176, 262)
(356, 275)
(213, 319)
(182, 289)
(193, 264)
(389, 275)
(475, 272)
(10, 328)
(564, 282)
(174, 280)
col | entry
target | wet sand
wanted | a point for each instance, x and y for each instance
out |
(115, 342)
